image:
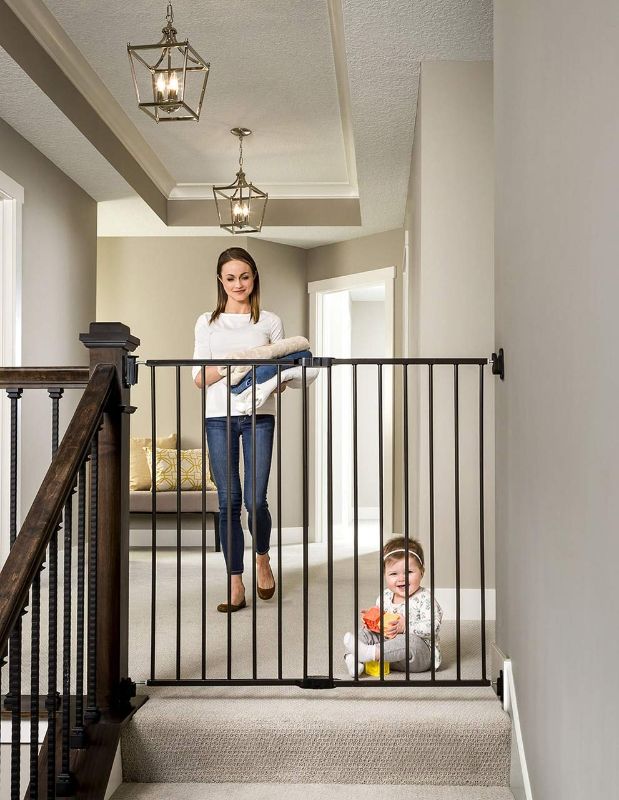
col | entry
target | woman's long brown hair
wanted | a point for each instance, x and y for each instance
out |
(237, 254)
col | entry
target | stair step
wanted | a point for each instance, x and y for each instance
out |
(312, 738)
(305, 791)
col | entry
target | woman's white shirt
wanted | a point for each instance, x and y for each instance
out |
(232, 333)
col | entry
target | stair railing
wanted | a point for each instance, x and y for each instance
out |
(92, 459)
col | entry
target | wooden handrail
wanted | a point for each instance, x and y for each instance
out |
(43, 377)
(28, 551)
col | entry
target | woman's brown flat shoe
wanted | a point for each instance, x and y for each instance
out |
(266, 594)
(223, 607)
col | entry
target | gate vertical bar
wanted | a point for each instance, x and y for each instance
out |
(305, 523)
(254, 531)
(279, 525)
(381, 523)
(203, 545)
(330, 517)
(431, 479)
(355, 490)
(406, 521)
(178, 524)
(229, 515)
(482, 567)
(457, 515)
(153, 523)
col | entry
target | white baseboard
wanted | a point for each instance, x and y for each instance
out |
(520, 783)
(470, 606)
(193, 538)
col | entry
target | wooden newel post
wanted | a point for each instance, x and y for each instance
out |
(110, 343)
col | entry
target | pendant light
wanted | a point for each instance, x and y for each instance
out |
(241, 205)
(169, 76)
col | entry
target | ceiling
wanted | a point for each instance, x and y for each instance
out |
(329, 88)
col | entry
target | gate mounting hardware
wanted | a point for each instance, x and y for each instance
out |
(498, 364)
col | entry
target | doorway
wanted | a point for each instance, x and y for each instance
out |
(353, 317)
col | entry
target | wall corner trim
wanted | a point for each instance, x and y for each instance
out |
(510, 705)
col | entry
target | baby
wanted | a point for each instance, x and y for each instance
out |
(394, 600)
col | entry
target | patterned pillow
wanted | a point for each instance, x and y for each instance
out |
(191, 469)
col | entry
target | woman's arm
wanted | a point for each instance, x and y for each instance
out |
(202, 350)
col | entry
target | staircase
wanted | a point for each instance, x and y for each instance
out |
(261, 742)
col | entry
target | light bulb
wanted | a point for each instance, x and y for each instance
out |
(173, 87)
(161, 87)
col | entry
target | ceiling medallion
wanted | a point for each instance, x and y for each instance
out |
(241, 205)
(172, 85)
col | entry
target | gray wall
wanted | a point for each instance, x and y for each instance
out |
(59, 252)
(557, 428)
(159, 286)
(449, 220)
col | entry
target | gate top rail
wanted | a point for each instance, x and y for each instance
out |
(43, 377)
(319, 361)
(30, 545)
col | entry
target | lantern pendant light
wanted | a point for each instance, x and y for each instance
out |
(169, 76)
(241, 205)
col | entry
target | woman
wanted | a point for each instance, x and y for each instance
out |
(236, 324)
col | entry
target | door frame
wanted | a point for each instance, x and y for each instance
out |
(11, 202)
(316, 291)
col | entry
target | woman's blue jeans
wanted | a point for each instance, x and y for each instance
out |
(217, 437)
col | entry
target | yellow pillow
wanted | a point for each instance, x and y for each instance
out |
(191, 469)
(139, 472)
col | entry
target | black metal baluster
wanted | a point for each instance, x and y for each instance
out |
(482, 567)
(78, 738)
(355, 485)
(203, 417)
(3, 657)
(381, 522)
(178, 523)
(406, 523)
(254, 605)
(53, 697)
(305, 524)
(229, 512)
(153, 523)
(431, 469)
(34, 685)
(92, 713)
(330, 518)
(279, 525)
(457, 514)
(65, 784)
(13, 700)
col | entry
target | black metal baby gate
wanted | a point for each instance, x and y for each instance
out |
(414, 395)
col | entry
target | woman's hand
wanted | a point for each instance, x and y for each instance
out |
(282, 387)
(394, 628)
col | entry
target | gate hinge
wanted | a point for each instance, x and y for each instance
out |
(131, 371)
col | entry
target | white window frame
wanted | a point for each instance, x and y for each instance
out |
(11, 203)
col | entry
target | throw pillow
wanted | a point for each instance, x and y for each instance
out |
(191, 469)
(139, 472)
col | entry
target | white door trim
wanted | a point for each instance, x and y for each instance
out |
(11, 202)
(316, 290)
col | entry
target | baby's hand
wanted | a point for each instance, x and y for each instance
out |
(394, 628)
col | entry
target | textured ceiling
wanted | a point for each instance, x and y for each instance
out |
(273, 69)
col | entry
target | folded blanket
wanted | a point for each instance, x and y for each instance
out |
(278, 349)
(265, 372)
(291, 377)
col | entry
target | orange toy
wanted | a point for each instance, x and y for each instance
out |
(371, 618)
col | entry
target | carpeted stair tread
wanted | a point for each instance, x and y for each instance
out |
(317, 738)
(305, 791)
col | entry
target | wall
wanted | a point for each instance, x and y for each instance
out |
(557, 284)
(159, 286)
(58, 289)
(449, 220)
